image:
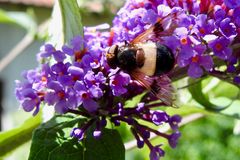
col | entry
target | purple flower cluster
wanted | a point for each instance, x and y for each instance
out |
(67, 84)
(76, 78)
(204, 39)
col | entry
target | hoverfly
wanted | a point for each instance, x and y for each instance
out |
(147, 61)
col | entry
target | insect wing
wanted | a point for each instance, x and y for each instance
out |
(146, 35)
(164, 26)
(160, 86)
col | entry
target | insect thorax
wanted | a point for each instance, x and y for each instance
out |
(127, 59)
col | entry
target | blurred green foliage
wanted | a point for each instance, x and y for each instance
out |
(14, 138)
(23, 19)
(209, 138)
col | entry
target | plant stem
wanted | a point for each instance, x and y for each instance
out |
(79, 113)
(188, 119)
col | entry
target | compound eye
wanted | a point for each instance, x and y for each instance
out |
(112, 56)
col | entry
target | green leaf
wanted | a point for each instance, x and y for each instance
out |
(72, 21)
(21, 19)
(52, 141)
(224, 98)
(196, 91)
(224, 89)
(66, 22)
(135, 100)
(12, 139)
(232, 110)
(51, 135)
(5, 18)
(109, 147)
(186, 110)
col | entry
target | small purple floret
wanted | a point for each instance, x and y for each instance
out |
(173, 139)
(78, 133)
(159, 118)
(156, 153)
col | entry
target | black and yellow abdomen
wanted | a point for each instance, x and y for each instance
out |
(164, 59)
(159, 59)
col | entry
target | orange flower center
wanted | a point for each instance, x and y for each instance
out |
(61, 94)
(75, 78)
(195, 59)
(96, 61)
(44, 79)
(41, 94)
(184, 41)
(93, 82)
(79, 54)
(219, 46)
(227, 30)
(60, 73)
(84, 95)
(36, 100)
(115, 82)
(202, 30)
(190, 27)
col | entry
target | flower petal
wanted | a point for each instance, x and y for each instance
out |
(90, 105)
(61, 107)
(195, 70)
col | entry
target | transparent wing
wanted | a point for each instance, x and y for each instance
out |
(160, 86)
(163, 27)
